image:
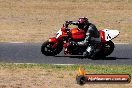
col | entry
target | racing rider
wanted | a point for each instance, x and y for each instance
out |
(92, 35)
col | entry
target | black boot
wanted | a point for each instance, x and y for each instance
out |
(89, 52)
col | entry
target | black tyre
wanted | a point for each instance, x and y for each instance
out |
(81, 80)
(108, 48)
(47, 49)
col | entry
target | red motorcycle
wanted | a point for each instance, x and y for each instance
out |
(54, 46)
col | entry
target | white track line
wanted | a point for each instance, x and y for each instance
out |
(37, 63)
(25, 42)
(122, 43)
(16, 42)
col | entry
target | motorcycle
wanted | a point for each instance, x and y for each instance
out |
(54, 46)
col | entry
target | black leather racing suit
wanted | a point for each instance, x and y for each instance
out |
(92, 37)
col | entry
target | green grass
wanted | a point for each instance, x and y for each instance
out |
(91, 69)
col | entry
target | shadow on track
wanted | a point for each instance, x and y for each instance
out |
(104, 58)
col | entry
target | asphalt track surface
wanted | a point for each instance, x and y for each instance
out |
(30, 53)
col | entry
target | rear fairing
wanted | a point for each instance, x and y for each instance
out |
(108, 35)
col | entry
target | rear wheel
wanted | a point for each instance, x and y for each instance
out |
(108, 48)
(47, 49)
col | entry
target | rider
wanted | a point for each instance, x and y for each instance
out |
(92, 35)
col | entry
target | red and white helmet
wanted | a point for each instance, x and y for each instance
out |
(83, 20)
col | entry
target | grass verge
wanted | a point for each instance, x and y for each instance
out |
(99, 69)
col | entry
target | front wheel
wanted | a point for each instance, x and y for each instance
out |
(47, 49)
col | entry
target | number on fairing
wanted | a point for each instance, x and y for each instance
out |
(58, 33)
(110, 34)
